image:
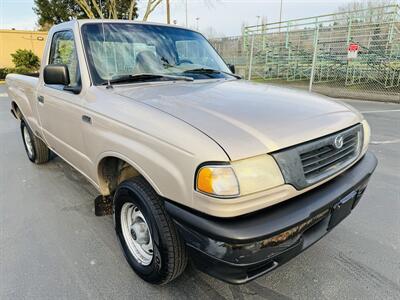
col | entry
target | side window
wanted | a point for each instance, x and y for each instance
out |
(63, 51)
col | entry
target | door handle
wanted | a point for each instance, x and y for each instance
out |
(87, 119)
(40, 99)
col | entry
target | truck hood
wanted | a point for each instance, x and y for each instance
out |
(246, 119)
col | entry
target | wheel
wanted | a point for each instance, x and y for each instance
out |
(36, 150)
(147, 234)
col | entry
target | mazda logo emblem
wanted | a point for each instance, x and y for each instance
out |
(338, 142)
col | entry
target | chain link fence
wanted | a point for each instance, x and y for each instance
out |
(348, 55)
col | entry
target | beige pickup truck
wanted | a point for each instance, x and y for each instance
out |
(197, 164)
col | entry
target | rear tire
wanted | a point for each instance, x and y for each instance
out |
(164, 257)
(35, 148)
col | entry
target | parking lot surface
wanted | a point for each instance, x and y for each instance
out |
(52, 246)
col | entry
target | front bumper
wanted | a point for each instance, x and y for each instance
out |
(240, 249)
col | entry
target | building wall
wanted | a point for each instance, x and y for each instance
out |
(12, 40)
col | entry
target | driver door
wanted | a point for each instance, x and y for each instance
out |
(61, 111)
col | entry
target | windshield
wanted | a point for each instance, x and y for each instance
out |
(132, 49)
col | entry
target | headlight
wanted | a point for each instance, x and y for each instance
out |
(217, 180)
(367, 135)
(241, 177)
(257, 174)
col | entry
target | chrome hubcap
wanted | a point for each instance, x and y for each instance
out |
(28, 142)
(136, 234)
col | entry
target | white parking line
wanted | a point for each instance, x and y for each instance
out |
(386, 142)
(3, 95)
(380, 111)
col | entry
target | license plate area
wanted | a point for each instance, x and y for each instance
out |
(341, 210)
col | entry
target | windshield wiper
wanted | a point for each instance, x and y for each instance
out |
(145, 77)
(211, 71)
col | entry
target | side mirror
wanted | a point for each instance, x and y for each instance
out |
(232, 68)
(56, 74)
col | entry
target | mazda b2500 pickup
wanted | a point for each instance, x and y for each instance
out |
(197, 164)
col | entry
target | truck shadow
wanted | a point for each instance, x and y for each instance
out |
(193, 282)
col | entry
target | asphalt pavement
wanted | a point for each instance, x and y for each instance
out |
(52, 246)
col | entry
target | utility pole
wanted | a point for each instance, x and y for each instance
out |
(197, 23)
(280, 16)
(168, 13)
(186, 12)
(258, 22)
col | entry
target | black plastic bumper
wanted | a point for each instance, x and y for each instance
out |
(243, 248)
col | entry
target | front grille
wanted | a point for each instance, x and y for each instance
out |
(319, 161)
(313, 161)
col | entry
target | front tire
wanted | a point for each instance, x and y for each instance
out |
(35, 148)
(148, 236)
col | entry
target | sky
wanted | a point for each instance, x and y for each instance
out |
(224, 16)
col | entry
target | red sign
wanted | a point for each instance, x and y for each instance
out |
(353, 47)
(352, 51)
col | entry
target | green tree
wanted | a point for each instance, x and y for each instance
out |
(23, 58)
(52, 12)
(109, 9)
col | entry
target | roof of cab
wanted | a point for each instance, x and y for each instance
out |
(81, 22)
